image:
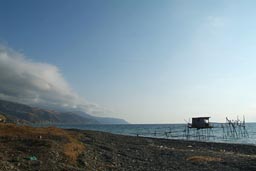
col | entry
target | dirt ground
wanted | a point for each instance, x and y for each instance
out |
(52, 149)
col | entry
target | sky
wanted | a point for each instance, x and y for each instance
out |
(147, 61)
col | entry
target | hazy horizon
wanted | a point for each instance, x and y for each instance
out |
(143, 61)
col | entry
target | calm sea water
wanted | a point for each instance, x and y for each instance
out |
(173, 131)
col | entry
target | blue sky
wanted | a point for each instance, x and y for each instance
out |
(146, 61)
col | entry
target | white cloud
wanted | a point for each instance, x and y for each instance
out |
(38, 84)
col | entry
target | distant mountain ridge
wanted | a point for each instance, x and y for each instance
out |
(102, 120)
(16, 112)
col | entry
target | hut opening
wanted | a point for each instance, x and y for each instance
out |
(200, 123)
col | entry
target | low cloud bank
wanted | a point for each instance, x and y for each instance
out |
(38, 84)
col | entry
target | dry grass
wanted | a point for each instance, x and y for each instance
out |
(72, 150)
(203, 159)
(68, 142)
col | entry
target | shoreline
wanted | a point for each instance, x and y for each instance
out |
(170, 131)
(77, 150)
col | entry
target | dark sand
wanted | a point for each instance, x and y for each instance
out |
(105, 151)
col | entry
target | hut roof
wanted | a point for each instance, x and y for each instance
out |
(201, 118)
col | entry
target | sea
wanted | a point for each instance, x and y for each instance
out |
(219, 133)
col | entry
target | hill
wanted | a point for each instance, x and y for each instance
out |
(20, 113)
(102, 120)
